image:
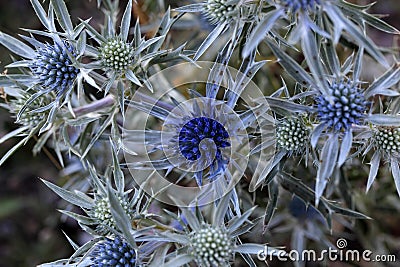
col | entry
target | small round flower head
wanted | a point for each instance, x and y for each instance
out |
(387, 139)
(347, 106)
(53, 67)
(293, 6)
(211, 246)
(116, 54)
(112, 253)
(27, 117)
(292, 134)
(102, 211)
(220, 10)
(195, 131)
(197, 137)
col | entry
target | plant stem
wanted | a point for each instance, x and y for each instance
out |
(95, 106)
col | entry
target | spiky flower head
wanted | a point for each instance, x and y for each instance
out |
(102, 211)
(387, 139)
(53, 67)
(195, 131)
(211, 246)
(294, 6)
(116, 54)
(28, 117)
(220, 10)
(292, 134)
(345, 107)
(113, 252)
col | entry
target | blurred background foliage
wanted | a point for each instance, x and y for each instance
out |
(31, 229)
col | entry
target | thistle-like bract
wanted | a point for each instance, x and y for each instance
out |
(53, 67)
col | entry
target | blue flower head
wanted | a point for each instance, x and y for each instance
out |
(53, 67)
(346, 106)
(112, 253)
(199, 137)
(303, 5)
(195, 131)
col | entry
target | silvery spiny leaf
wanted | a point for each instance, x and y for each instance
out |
(227, 15)
(329, 19)
(326, 207)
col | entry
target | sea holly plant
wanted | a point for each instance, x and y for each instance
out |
(50, 67)
(228, 16)
(347, 106)
(337, 20)
(172, 161)
(115, 217)
(58, 72)
(202, 137)
(50, 76)
(208, 240)
(383, 138)
(125, 60)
